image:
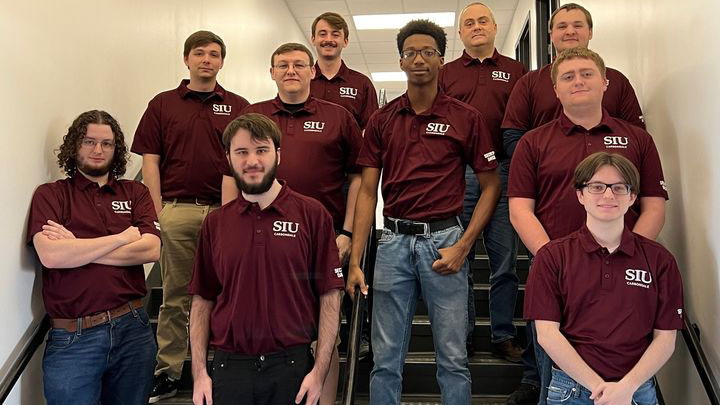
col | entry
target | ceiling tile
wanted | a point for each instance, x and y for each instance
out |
(313, 8)
(379, 47)
(383, 58)
(374, 6)
(377, 35)
(428, 6)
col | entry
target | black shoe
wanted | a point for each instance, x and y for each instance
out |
(526, 394)
(163, 387)
(508, 350)
(364, 349)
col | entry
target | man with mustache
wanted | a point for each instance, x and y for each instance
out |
(267, 292)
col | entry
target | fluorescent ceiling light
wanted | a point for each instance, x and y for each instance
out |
(390, 21)
(388, 76)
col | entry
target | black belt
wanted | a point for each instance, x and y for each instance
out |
(192, 200)
(407, 227)
(290, 351)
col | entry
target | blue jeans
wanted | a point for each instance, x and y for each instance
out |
(564, 390)
(501, 244)
(110, 363)
(402, 272)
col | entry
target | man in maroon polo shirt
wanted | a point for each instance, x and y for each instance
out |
(321, 143)
(483, 78)
(179, 137)
(262, 296)
(333, 81)
(606, 301)
(542, 200)
(92, 233)
(422, 142)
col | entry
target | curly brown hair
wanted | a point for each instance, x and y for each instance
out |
(67, 153)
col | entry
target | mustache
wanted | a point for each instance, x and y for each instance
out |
(328, 43)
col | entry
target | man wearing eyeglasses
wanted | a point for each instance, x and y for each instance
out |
(92, 233)
(180, 140)
(422, 142)
(320, 145)
(607, 302)
(543, 205)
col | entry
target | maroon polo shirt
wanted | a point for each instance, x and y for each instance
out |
(320, 144)
(187, 134)
(607, 304)
(348, 88)
(266, 281)
(423, 156)
(484, 85)
(89, 211)
(544, 161)
(533, 101)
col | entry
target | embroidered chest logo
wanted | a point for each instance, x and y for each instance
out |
(121, 207)
(435, 128)
(616, 142)
(348, 92)
(222, 109)
(500, 76)
(285, 228)
(313, 126)
(638, 278)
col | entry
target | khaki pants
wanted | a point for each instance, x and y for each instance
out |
(180, 227)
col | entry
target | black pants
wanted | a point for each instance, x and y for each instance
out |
(272, 379)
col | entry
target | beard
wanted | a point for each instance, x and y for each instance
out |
(93, 171)
(258, 188)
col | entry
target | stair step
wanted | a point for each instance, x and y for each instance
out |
(482, 301)
(185, 398)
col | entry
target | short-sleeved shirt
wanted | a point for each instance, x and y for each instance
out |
(607, 304)
(485, 85)
(533, 101)
(544, 161)
(186, 131)
(89, 211)
(267, 280)
(348, 88)
(319, 147)
(423, 156)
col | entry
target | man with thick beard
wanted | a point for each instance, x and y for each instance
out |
(265, 293)
(92, 233)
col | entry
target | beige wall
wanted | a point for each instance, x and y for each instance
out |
(62, 58)
(525, 11)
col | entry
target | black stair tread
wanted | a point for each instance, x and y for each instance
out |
(484, 256)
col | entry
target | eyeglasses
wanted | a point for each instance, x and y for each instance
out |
(427, 53)
(283, 67)
(599, 188)
(89, 143)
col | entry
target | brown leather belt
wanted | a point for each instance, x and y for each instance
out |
(191, 200)
(100, 318)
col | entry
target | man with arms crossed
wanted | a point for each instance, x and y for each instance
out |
(92, 233)
(483, 78)
(422, 142)
(333, 81)
(543, 205)
(606, 301)
(179, 137)
(261, 296)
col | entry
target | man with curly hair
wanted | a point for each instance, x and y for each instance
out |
(92, 233)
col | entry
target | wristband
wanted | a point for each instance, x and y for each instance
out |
(346, 233)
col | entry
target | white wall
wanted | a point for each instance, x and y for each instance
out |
(524, 9)
(63, 58)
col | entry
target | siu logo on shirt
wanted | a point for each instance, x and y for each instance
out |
(436, 128)
(313, 126)
(616, 142)
(285, 228)
(638, 278)
(498, 75)
(121, 207)
(348, 92)
(222, 109)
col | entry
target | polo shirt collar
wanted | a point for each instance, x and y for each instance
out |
(468, 60)
(184, 92)
(82, 183)
(277, 204)
(310, 106)
(341, 74)
(590, 245)
(439, 107)
(568, 128)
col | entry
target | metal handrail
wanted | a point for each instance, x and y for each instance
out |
(691, 335)
(18, 366)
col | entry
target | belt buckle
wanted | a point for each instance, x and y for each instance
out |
(426, 228)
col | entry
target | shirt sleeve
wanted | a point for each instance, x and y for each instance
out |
(148, 135)
(370, 104)
(205, 282)
(353, 141)
(652, 180)
(543, 300)
(517, 110)
(523, 180)
(46, 205)
(670, 310)
(327, 273)
(371, 151)
(628, 104)
(480, 154)
(144, 215)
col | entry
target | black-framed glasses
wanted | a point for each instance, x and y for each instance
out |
(427, 53)
(91, 143)
(599, 188)
(283, 67)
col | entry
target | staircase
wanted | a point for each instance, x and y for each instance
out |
(493, 379)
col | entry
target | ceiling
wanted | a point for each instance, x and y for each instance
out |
(376, 50)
